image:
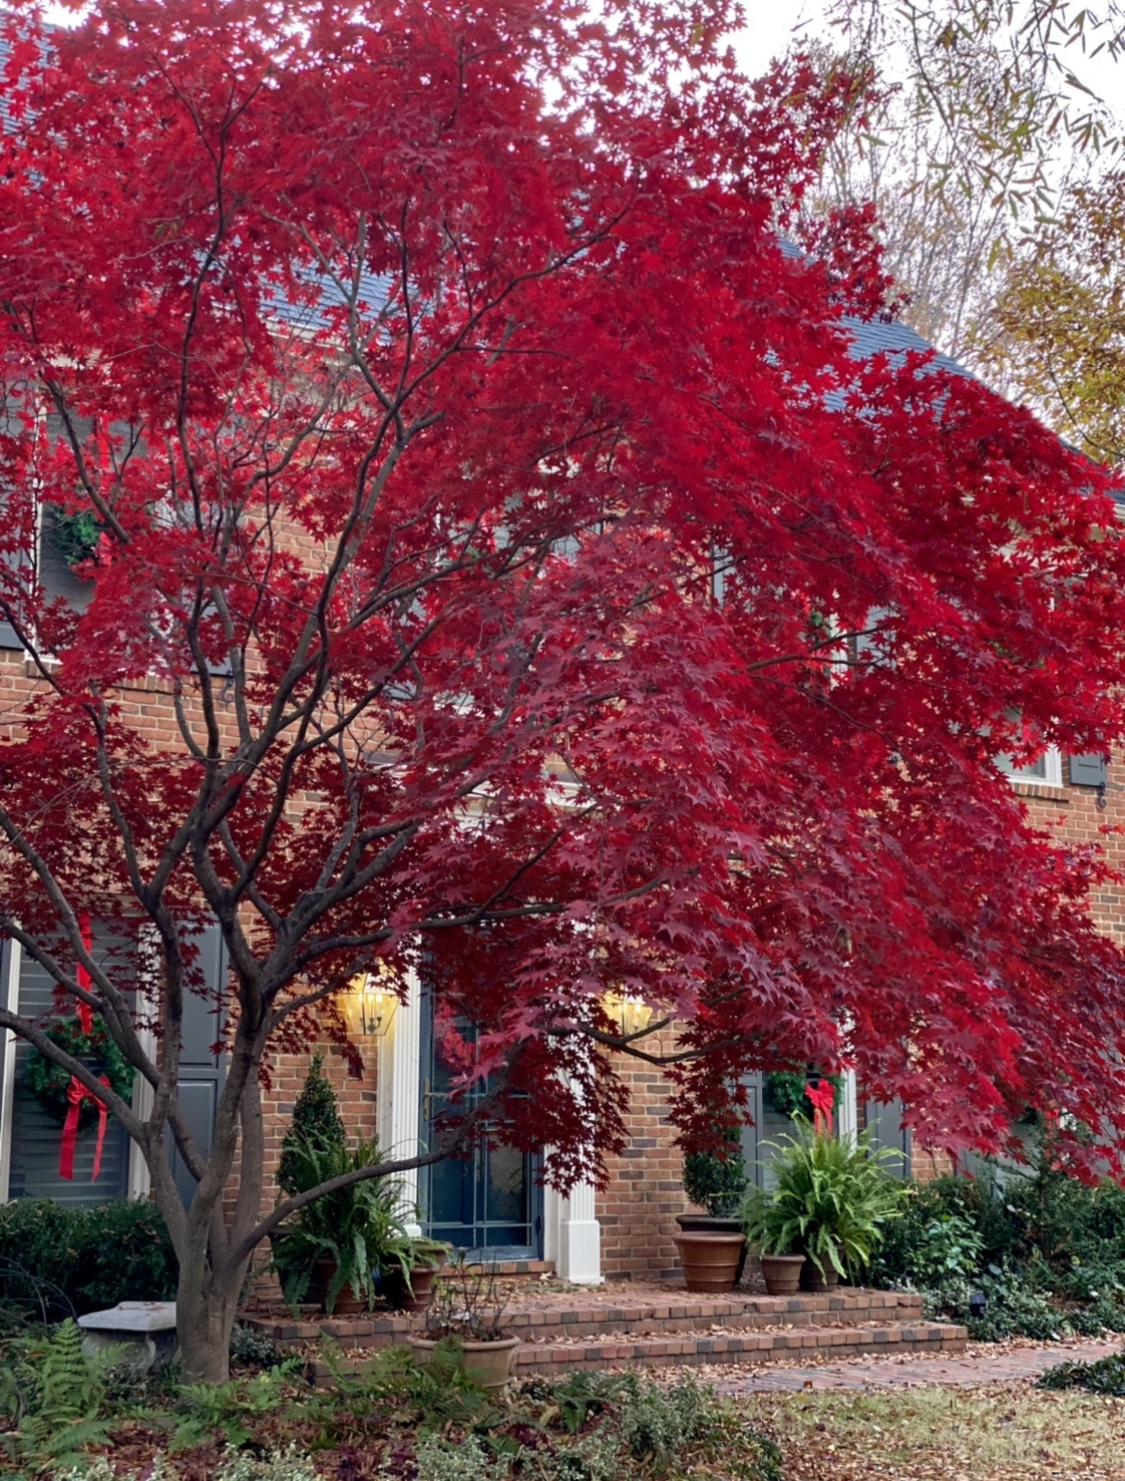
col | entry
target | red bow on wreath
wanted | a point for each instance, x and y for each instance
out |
(75, 1095)
(77, 1092)
(822, 1095)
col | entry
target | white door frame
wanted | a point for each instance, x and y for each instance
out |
(571, 1232)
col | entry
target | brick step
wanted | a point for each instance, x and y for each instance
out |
(763, 1346)
(677, 1312)
(684, 1312)
(770, 1345)
(531, 1268)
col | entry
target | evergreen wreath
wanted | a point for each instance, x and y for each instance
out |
(785, 1091)
(50, 1082)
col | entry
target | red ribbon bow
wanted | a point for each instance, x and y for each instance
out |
(76, 1092)
(822, 1095)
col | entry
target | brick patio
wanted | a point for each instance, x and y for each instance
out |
(971, 1371)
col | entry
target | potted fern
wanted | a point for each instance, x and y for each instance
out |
(335, 1250)
(825, 1217)
(330, 1250)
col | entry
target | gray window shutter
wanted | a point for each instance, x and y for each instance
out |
(751, 1135)
(884, 1122)
(1088, 771)
(201, 1070)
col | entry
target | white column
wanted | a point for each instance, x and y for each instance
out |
(10, 989)
(552, 1224)
(579, 1240)
(398, 1097)
(847, 1118)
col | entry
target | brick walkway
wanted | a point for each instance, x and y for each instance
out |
(967, 1372)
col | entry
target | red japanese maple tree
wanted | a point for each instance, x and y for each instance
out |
(537, 588)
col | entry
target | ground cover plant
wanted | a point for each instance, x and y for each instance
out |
(510, 540)
(1102, 1376)
(1046, 1251)
(397, 1419)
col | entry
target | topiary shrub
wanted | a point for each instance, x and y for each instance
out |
(717, 1182)
(118, 1251)
(315, 1126)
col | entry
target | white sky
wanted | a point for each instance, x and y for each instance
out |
(773, 24)
(771, 27)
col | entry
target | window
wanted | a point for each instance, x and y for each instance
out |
(1046, 768)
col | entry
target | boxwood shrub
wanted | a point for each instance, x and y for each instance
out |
(95, 1257)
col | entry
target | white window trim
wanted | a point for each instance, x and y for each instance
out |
(1052, 771)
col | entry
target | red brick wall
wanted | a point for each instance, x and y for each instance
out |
(638, 1210)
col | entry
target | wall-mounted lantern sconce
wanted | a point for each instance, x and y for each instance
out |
(631, 1013)
(369, 1004)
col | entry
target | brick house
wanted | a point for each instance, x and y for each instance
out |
(494, 1202)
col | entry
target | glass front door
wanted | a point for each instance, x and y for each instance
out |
(489, 1203)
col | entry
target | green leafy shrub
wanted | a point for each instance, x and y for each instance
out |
(831, 1202)
(657, 1422)
(717, 1182)
(96, 1257)
(315, 1124)
(1047, 1251)
(250, 1348)
(949, 1248)
(289, 1464)
(1014, 1309)
(466, 1460)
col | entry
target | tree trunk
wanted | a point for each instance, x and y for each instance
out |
(205, 1311)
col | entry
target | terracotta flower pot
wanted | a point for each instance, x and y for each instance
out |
(348, 1303)
(812, 1280)
(710, 1261)
(715, 1224)
(416, 1295)
(782, 1273)
(487, 1364)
